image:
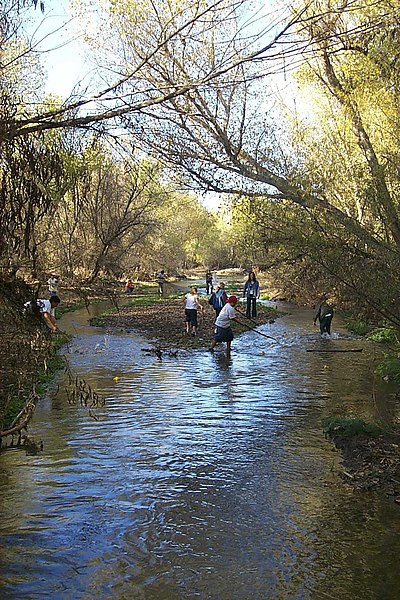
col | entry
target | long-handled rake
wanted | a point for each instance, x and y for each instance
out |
(253, 328)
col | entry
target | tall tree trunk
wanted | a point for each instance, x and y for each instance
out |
(382, 193)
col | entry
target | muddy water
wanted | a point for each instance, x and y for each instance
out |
(200, 478)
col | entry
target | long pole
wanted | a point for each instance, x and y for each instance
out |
(253, 328)
(246, 317)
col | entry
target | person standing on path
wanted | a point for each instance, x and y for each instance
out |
(53, 284)
(192, 304)
(208, 282)
(223, 330)
(251, 292)
(161, 277)
(324, 314)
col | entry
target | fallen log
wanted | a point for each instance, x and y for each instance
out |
(334, 350)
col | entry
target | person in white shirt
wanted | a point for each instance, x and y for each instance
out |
(223, 330)
(161, 277)
(53, 284)
(192, 304)
(47, 309)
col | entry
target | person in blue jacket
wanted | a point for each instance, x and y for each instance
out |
(218, 299)
(251, 292)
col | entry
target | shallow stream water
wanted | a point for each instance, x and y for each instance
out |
(200, 477)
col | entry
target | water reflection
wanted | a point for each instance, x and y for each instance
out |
(201, 478)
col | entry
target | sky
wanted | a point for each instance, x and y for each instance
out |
(61, 52)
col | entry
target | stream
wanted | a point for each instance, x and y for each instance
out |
(200, 478)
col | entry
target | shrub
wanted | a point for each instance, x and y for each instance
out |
(389, 369)
(348, 427)
(383, 335)
(358, 327)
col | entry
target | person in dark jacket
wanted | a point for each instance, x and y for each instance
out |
(324, 314)
(251, 291)
(219, 298)
(208, 282)
(161, 277)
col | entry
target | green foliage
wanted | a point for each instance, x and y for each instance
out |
(61, 310)
(14, 407)
(349, 427)
(384, 335)
(59, 339)
(389, 369)
(358, 327)
(264, 296)
(66, 308)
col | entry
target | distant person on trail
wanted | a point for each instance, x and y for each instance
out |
(324, 314)
(223, 330)
(46, 309)
(218, 298)
(192, 304)
(129, 286)
(53, 284)
(208, 282)
(161, 277)
(251, 292)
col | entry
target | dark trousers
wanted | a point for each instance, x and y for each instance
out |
(325, 324)
(251, 307)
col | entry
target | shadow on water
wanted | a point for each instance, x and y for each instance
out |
(202, 477)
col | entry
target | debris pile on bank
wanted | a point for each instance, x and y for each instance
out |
(370, 456)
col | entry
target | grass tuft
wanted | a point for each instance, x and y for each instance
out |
(384, 335)
(348, 427)
(389, 369)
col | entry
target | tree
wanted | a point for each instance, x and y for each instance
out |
(162, 34)
(188, 235)
(109, 206)
(225, 139)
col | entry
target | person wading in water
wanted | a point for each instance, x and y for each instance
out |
(324, 314)
(223, 330)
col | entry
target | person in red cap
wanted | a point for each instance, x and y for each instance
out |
(223, 330)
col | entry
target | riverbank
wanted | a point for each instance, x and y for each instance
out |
(29, 357)
(371, 464)
(370, 455)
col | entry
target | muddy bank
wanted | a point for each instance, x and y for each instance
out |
(164, 322)
(371, 464)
